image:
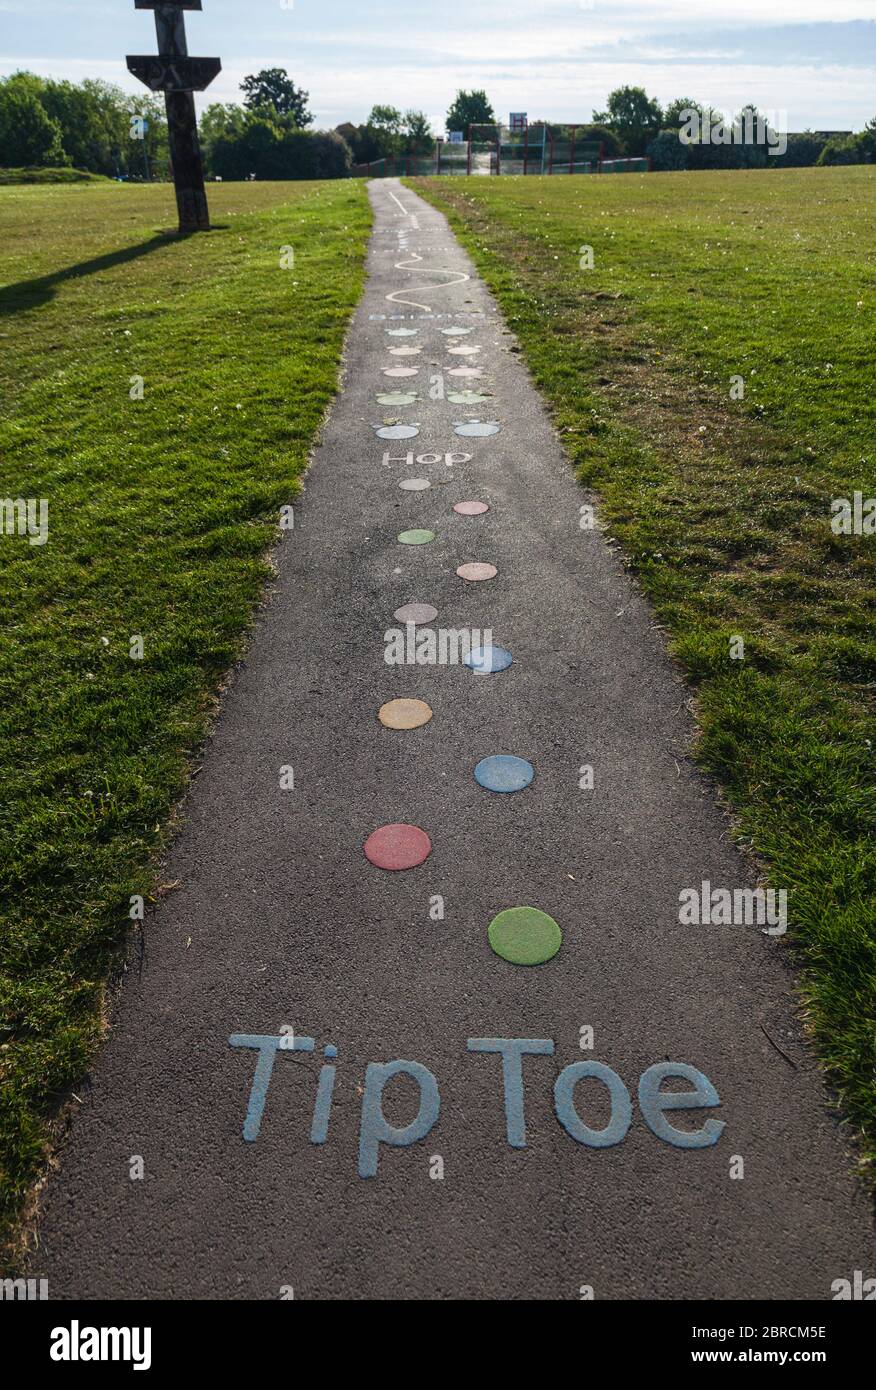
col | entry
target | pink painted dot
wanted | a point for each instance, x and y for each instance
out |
(416, 613)
(477, 570)
(470, 508)
(397, 847)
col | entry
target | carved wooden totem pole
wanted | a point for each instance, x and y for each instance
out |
(173, 72)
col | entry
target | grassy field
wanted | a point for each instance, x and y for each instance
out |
(723, 505)
(160, 510)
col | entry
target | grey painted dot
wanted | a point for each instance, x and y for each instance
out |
(476, 429)
(414, 484)
(397, 431)
(397, 398)
(402, 332)
(466, 397)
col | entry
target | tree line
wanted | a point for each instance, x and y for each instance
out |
(97, 127)
(644, 127)
(91, 125)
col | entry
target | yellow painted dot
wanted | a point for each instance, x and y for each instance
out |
(404, 714)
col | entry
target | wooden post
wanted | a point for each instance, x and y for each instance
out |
(173, 72)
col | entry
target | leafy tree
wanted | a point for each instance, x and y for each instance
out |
(386, 118)
(153, 150)
(274, 87)
(97, 122)
(612, 146)
(364, 141)
(271, 146)
(28, 136)
(315, 154)
(667, 152)
(417, 135)
(92, 123)
(672, 116)
(851, 149)
(220, 122)
(469, 108)
(387, 126)
(250, 151)
(633, 115)
(803, 150)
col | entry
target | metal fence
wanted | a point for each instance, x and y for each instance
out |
(539, 149)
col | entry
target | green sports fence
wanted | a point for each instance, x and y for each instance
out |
(491, 150)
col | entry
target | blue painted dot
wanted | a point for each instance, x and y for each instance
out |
(504, 773)
(486, 660)
(331, 1050)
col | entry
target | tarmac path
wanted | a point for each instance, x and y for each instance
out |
(270, 1166)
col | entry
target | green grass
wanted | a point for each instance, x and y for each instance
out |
(39, 174)
(722, 506)
(160, 511)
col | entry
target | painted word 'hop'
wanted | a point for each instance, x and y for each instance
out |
(654, 1102)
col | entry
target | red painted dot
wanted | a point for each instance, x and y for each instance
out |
(476, 571)
(471, 508)
(397, 847)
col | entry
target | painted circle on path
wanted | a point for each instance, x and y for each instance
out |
(397, 398)
(465, 371)
(397, 847)
(488, 660)
(416, 613)
(464, 350)
(455, 332)
(466, 397)
(405, 351)
(524, 936)
(402, 332)
(398, 431)
(416, 537)
(476, 429)
(400, 371)
(477, 570)
(415, 484)
(470, 508)
(504, 773)
(404, 714)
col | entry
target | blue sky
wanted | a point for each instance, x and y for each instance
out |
(814, 59)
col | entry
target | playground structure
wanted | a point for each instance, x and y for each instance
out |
(497, 149)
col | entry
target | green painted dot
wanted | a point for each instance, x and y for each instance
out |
(416, 537)
(525, 936)
(466, 397)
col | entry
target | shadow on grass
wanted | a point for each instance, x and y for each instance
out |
(30, 294)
